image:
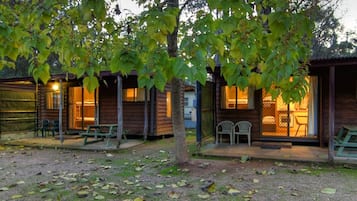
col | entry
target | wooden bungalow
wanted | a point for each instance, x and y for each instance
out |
(81, 108)
(330, 103)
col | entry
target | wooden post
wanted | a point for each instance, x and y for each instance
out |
(198, 114)
(146, 116)
(152, 110)
(60, 114)
(119, 109)
(331, 121)
(96, 109)
(36, 109)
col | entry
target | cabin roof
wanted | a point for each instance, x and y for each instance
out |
(337, 61)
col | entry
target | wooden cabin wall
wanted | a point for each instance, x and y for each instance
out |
(133, 112)
(345, 99)
(251, 115)
(17, 111)
(52, 114)
(163, 123)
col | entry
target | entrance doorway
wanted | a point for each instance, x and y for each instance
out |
(294, 120)
(82, 108)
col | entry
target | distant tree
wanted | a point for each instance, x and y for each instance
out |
(327, 33)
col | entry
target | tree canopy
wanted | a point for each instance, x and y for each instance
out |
(260, 43)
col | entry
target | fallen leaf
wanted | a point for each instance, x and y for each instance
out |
(82, 194)
(17, 196)
(182, 183)
(4, 189)
(329, 191)
(255, 181)
(128, 182)
(209, 187)
(294, 194)
(99, 197)
(244, 158)
(44, 190)
(173, 195)
(204, 196)
(59, 184)
(138, 169)
(233, 191)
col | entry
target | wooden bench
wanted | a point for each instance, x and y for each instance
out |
(346, 141)
(100, 132)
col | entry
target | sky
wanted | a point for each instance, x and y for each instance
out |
(347, 12)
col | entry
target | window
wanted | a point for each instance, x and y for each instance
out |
(186, 101)
(235, 98)
(53, 100)
(134, 94)
(168, 104)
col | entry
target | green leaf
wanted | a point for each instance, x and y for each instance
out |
(90, 83)
(160, 81)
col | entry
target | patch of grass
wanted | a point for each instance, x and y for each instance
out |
(126, 171)
(350, 172)
(172, 170)
(191, 132)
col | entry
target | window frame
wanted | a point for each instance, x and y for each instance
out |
(250, 100)
(138, 95)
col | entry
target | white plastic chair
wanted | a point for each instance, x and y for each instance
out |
(242, 128)
(224, 128)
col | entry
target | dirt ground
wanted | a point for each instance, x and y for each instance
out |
(148, 172)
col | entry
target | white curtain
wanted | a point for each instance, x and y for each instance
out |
(313, 106)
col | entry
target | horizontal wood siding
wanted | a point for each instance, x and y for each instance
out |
(52, 114)
(251, 115)
(17, 111)
(346, 100)
(163, 123)
(133, 112)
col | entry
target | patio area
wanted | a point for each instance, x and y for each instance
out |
(70, 142)
(298, 153)
(291, 153)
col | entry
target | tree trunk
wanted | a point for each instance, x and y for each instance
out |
(181, 153)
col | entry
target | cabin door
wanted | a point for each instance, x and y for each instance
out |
(207, 110)
(82, 108)
(294, 120)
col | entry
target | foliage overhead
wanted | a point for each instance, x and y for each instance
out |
(259, 43)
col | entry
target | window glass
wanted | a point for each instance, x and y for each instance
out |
(134, 94)
(235, 98)
(52, 100)
(168, 104)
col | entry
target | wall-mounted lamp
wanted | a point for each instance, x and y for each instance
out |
(55, 87)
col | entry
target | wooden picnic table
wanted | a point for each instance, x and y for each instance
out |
(346, 140)
(99, 132)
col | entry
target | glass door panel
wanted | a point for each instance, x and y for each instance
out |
(81, 108)
(293, 120)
